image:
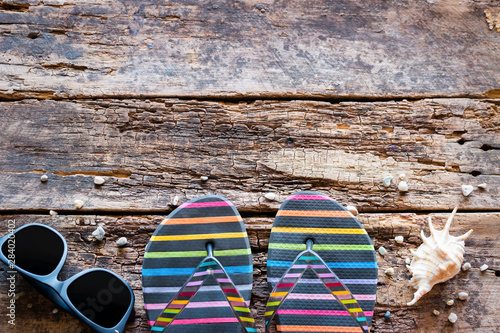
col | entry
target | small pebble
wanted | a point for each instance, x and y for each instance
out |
(30, 305)
(436, 312)
(270, 196)
(467, 190)
(407, 261)
(463, 295)
(466, 266)
(98, 233)
(483, 267)
(452, 318)
(403, 186)
(121, 241)
(98, 180)
(204, 178)
(450, 302)
(353, 210)
(53, 213)
(382, 251)
(175, 200)
(56, 310)
(402, 176)
(399, 239)
(78, 204)
(44, 178)
(389, 271)
(387, 315)
(387, 181)
(482, 186)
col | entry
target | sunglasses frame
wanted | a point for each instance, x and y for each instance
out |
(57, 291)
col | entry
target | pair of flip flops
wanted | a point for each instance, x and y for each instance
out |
(322, 270)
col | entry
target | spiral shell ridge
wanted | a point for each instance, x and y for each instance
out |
(438, 258)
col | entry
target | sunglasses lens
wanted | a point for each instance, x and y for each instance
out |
(37, 250)
(101, 297)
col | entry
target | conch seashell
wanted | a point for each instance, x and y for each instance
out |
(438, 259)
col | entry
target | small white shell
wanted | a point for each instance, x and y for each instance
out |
(270, 196)
(389, 271)
(99, 233)
(175, 200)
(387, 181)
(438, 258)
(353, 210)
(466, 266)
(467, 190)
(17, 295)
(407, 261)
(463, 295)
(399, 239)
(53, 213)
(403, 186)
(450, 302)
(483, 267)
(382, 251)
(78, 203)
(436, 312)
(98, 180)
(44, 178)
(121, 241)
(452, 318)
(204, 178)
(482, 186)
(56, 310)
(402, 176)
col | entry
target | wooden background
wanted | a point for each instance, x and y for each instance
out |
(261, 97)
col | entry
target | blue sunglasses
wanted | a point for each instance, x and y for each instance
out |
(97, 296)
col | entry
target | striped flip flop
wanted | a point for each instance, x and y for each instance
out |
(197, 271)
(321, 268)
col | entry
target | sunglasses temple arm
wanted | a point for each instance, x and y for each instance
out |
(2, 257)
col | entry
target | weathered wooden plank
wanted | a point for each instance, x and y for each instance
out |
(273, 48)
(34, 313)
(152, 151)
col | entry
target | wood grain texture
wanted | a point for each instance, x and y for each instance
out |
(153, 152)
(477, 314)
(271, 96)
(273, 48)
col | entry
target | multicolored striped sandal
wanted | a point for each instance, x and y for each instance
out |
(197, 271)
(321, 268)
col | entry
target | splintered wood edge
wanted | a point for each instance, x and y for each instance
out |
(332, 50)
(153, 154)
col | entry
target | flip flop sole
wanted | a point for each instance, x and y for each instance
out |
(340, 240)
(178, 246)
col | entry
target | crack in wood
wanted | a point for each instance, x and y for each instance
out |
(112, 173)
(229, 99)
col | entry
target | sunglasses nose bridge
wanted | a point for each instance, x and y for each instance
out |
(51, 288)
(49, 281)
(54, 282)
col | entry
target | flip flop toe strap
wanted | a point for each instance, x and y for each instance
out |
(310, 259)
(208, 266)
